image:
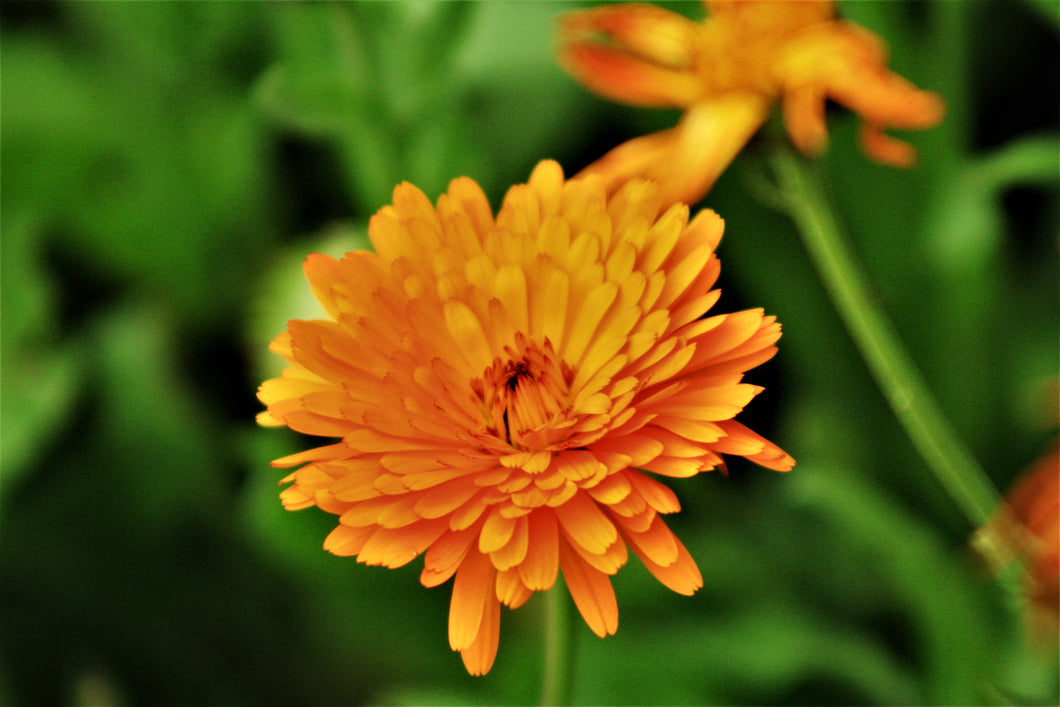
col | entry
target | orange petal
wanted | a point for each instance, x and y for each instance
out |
(804, 119)
(657, 542)
(681, 575)
(609, 562)
(472, 590)
(652, 32)
(635, 53)
(686, 161)
(330, 451)
(885, 149)
(585, 524)
(514, 550)
(577, 464)
(658, 496)
(680, 468)
(538, 570)
(627, 79)
(496, 531)
(613, 489)
(510, 589)
(346, 541)
(323, 272)
(478, 657)
(847, 63)
(399, 546)
(741, 438)
(591, 590)
(445, 556)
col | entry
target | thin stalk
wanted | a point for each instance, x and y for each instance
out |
(556, 680)
(898, 378)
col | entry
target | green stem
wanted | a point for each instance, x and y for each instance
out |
(894, 371)
(556, 683)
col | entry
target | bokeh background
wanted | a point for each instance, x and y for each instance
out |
(166, 167)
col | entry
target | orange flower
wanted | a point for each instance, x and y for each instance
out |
(499, 385)
(1034, 505)
(726, 72)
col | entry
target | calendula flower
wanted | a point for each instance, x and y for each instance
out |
(501, 385)
(1030, 518)
(726, 73)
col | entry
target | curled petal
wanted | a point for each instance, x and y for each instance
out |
(634, 53)
(847, 63)
(626, 79)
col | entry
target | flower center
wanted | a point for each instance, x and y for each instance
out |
(525, 393)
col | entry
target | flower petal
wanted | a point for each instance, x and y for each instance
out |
(591, 590)
(651, 62)
(478, 657)
(472, 589)
(538, 570)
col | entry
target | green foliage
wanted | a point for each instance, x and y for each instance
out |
(168, 165)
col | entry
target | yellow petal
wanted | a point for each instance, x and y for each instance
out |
(466, 330)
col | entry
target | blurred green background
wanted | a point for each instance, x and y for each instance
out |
(166, 167)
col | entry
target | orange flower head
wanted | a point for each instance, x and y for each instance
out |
(501, 387)
(1034, 505)
(726, 72)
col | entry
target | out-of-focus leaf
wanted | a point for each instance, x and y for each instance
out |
(1048, 10)
(429, 108)
(967, 227)
(41, 380)
(130, 157)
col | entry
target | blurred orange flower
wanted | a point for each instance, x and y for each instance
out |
(1034, 504)
(499, 386)
(726, 72)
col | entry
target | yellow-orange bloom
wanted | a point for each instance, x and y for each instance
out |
(499, 384)
(725, 73)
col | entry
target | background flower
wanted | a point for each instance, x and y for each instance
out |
(726, 72)
(166, 167)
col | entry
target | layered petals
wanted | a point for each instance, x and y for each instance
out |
(726, 72)
(504, 391)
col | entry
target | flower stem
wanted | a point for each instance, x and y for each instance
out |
(556, 683)
(898, 378)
